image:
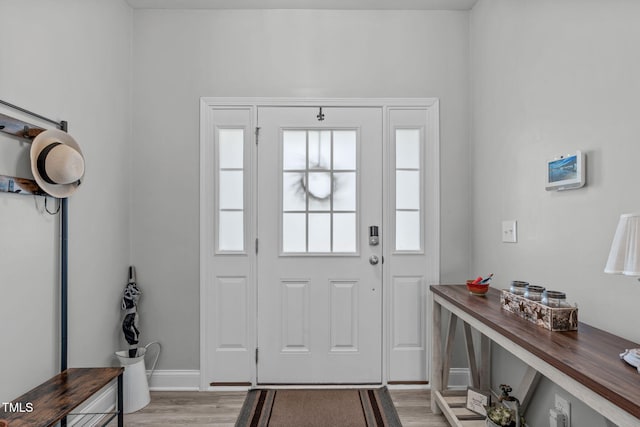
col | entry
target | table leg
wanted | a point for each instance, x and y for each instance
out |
(485, 363)
(448, 349)
(120, 400)
(436, 356)
(471, 356)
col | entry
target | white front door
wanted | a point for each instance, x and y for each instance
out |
(319, 279)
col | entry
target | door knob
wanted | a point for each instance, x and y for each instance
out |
(373, 260)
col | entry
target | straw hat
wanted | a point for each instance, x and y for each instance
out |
(57, 163)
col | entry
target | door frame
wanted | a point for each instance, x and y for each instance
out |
(207, 188)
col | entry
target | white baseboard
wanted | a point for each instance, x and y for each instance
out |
(189, 380)
(92, 412)
(408, 386)
(229, 388)
(175, 380)
(459, 378)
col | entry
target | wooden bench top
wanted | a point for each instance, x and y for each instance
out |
(56, 398)
(589, 355)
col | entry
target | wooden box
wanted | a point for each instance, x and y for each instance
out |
(554, 319)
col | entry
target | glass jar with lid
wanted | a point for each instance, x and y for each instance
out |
(554, 299)
(534, 292)
(518, 287)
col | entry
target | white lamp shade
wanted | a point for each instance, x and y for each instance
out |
(624, 257)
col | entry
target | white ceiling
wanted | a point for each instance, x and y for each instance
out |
(306, 4)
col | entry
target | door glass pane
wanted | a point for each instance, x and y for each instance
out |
(344, 232)
(320, 150)
(344, 150)
(231, 148)
(407, 189)
(319, 233)
(294, 232)
(294, 149)
(318, 203)
(231, 189)
(408, 148)
(319, 190)
(294, 196)
(230, 186)
(407, 231)
(231, 231)
(344, 196)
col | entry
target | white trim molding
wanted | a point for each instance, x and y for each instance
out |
(174, 380)
(92, 411)
(211, 357)
(305, 4)
(459, 378)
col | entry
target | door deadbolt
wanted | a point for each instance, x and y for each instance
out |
(374, 239)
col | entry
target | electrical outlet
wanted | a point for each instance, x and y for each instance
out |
(557, 418)
(564, 406)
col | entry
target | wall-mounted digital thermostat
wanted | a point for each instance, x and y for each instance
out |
(566, 172)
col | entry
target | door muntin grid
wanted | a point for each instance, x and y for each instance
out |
(319, 191)
(408, 190)
(230, 191)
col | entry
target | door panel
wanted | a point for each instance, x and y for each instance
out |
(319, 297)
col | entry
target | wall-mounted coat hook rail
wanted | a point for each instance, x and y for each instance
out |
(15, 185)
(23, 131)
(18, 128)
(61, 125)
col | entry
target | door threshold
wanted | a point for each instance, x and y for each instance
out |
(318, 386)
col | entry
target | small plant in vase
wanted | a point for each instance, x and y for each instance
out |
(499, 416)
(506, 413)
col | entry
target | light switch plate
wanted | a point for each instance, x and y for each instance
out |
(509, 231)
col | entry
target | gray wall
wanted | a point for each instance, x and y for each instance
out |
(68, 60)
(550, 77)
(537, 79)
(181, 55)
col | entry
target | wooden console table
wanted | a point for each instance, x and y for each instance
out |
(585, 362)
(53, 400)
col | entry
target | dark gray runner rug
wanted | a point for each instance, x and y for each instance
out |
(318, 408)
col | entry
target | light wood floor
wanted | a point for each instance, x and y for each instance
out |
(188, 408)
